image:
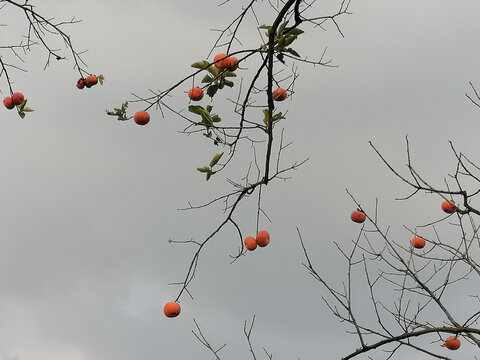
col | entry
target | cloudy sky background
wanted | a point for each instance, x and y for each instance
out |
(88, 203)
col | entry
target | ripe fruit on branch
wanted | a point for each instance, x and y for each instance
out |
(418, 242)
(448, 206)
(452, 343)
(171, 309)
(81, 83)
(195, 93)
(279, 94)
(219, 58)
(230, 63)
(91, 80)
(358, 216)
(250, 243)
(18, 98)
(262, 238)
(141, 117)
(8, 102)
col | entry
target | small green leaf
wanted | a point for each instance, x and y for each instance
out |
(215, 159)
(229, 74)
(209, 108)
(228, 83)
(204, 169)
(207, 118)
(293, 52)
(22, 105)
(266, 27)
(289, 39)
(212, 90)
(216, 118)
(101, 79)
(22, 114)
(200, 64)
(207, 79)
(282, 27)
(27, 109)
(266, 117)
(278, 116)
(210, 174)
(196, 109)
(295, 32)
(214, 71)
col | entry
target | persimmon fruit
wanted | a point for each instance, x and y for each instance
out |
(195, 94)
(279, 94)
(18, 98)
(418, 242)
(91, 80)
(230, 63)
(171, 309)
(250, 243)
(358, 216)
(81, 83)
(448, 206)
(262, 238)
(8, 102)
(141, 117)
(219, 59)
(452, 343)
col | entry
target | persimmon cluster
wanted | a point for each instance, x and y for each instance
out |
(89, 81)
(262, 239)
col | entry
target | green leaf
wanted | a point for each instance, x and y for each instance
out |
(216, 118)
(200, 64)
(289, 39)
(229, 74)
(212, 90)
(207, 118)
(295, 32)
(196, 109)
(204, 169)
(22, 114)
(27, 109)
(22, 105)
(214, 71)
(101, 79)
(293, 52)
(207, 79)
(282, 27)
(209, 108)
(266, 117)
(228, 83)
(210, 174)
(266, 27)
(215, 159)
(278, 116)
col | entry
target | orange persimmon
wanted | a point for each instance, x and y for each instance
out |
(262, 238)
(141, 117)
(171, 309)
(448, 206)
(250, 243)
(418, 242)
(358, 216)
(452, 343)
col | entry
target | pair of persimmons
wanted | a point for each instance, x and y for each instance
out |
(172, 309)
(448, 206)
(16, 99)
(89, 81)
(262, 239)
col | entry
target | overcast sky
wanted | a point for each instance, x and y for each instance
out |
(89, 203)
